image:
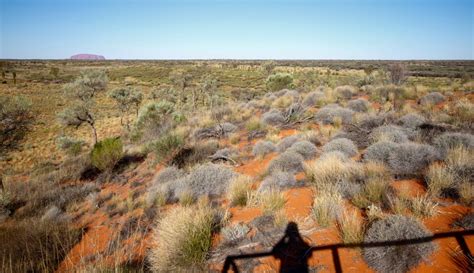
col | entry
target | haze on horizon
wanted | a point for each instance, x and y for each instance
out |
(225, 29)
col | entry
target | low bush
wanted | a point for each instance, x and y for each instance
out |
(412, 120)
(206, 180)
(358, 105)
(273, 117)
(313, 98)
(432, 98)
(380, 151)
(389, 133)
(277, 180)
(182, 239)
(449, 140)
(305, 148)
(411, 158)
(397, 259)
(311, 136)
(166, 146)
(107, 153)
(287, 142)
(263, 148)
(197, 153)
(167, 175)
(231, 235)
(344, 145)
(345, 92)
(329, 114)
(160, 190)
(286, 162)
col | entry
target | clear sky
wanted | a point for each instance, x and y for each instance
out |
(245, 29)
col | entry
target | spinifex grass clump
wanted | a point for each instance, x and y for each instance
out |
(182, 239)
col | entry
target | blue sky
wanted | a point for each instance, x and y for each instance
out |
(246, 29)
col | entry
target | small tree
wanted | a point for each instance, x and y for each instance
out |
(279, 81)
(369, 69)
(127, 99)
(15, 116)
(208, 90)
(82, 91)
(397, 73)
(181, 81)
(54, 71)
(154, 119)
(268, 67)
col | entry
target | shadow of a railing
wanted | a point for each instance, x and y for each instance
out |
(292, 232)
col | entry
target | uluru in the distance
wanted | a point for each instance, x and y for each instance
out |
(87, 57)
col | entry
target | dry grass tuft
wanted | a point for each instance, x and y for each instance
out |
(331, 170)
(326, 207)
(239, 190)
(422, 206)
(182, 239)
(351, 227)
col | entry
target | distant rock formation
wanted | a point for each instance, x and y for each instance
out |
(87, 57)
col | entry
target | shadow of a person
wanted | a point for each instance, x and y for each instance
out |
(292, 251)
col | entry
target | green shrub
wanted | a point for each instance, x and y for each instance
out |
(154, 119)
(166, 145)
(107, 153)
(279, 81)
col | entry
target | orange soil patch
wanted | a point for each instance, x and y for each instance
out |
(119, 190)
(94, 241)
(298, 202)
(376, 105)
(287, 132)
(244, 214)
(256, 166)
(409, 187)
(300, 176)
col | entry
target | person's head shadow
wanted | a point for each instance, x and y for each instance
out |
(292, 251)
